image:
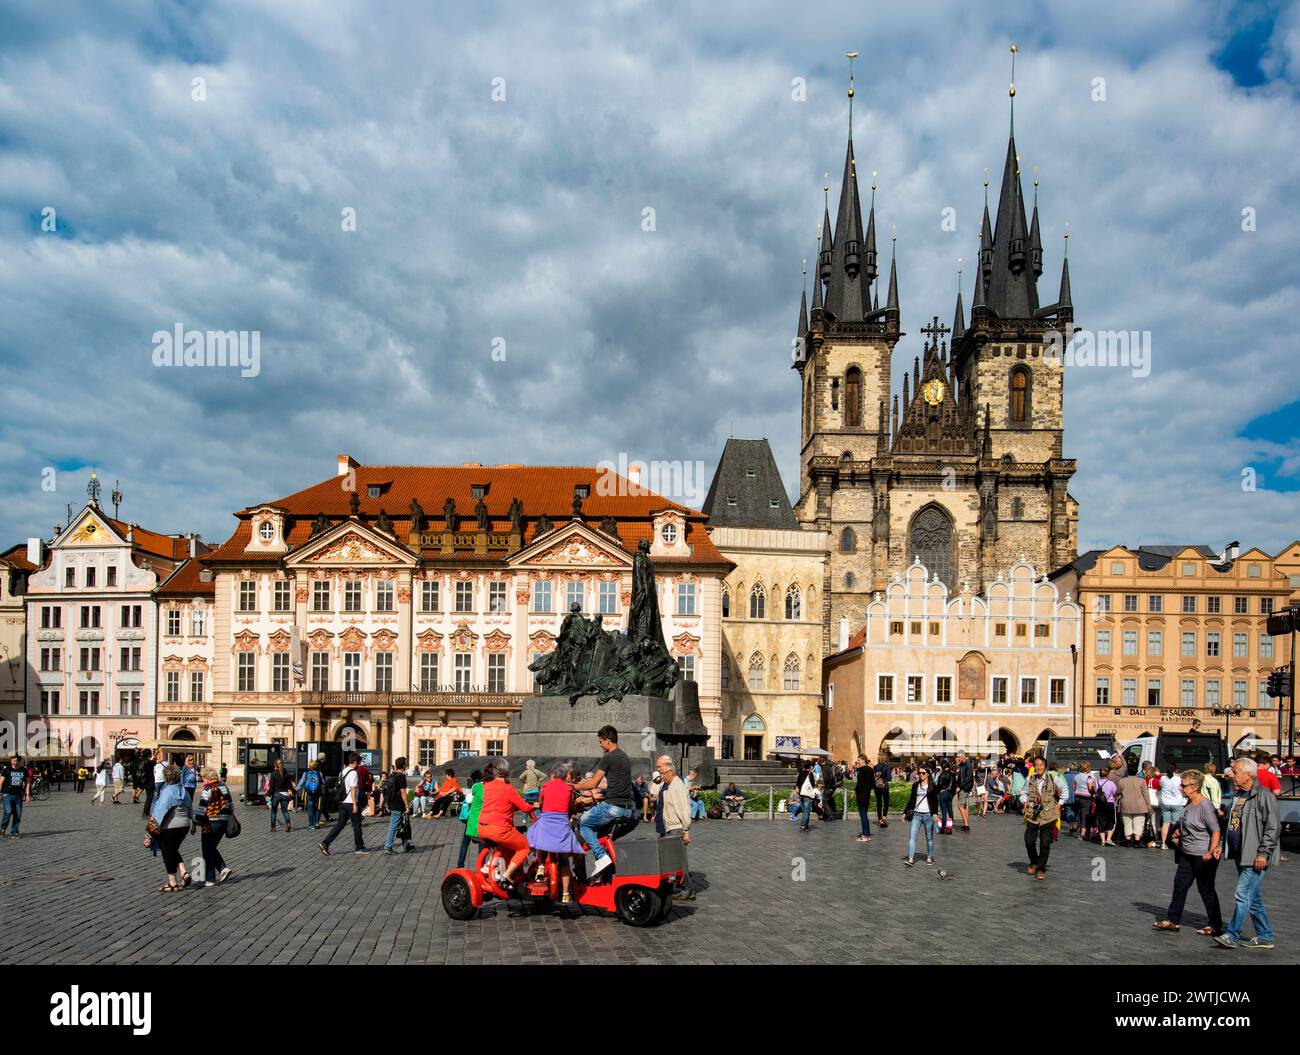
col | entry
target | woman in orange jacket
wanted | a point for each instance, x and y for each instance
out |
(496, 818)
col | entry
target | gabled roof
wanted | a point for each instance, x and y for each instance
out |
(754, 495)
(16, 557)
(188, 581)
(543, 492)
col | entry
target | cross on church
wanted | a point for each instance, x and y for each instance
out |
(935, 331)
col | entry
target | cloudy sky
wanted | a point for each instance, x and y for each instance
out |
(517, 224)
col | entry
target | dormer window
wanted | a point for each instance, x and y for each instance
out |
(582, 491)
(478, 491)
(266, 531)
(374, 491)
(751, 474)
(772, 503)
(669, 533)
(731, 501)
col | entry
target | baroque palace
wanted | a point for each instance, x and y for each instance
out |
(400, 606)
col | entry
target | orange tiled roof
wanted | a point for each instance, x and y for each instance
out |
(152, 542)
(542, 491)
(185, 581)
(16, 557)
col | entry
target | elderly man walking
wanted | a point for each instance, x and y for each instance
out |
(1041, 798)
(1253, 836)
(673, 814)
(530, 781)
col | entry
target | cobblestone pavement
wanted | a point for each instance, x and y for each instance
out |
(80, 887)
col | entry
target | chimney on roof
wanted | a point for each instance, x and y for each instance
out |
(194, 544)
(1230, 553)
(35, 551)
(347, 464)
(844, 634)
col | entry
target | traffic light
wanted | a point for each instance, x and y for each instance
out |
(1279, 683)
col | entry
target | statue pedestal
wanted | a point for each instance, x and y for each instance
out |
(549, 729)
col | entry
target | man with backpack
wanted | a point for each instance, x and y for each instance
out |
(349, 808)
(313, 786)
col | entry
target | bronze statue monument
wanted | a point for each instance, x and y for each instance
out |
(589, 660)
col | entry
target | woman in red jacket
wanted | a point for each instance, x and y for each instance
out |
(496, 818)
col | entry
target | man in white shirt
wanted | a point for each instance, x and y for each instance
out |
(119, 781)
(349, 810)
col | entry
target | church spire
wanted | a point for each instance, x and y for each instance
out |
(847, 285)
(1035, 241)
(892, 303)
(1063, 301)
(824, 257)
(1012, 293)
(959, 316)
(986, 240)
(803, 303)
(817, 282)
(872, 271)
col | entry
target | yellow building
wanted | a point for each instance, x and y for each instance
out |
(931, 673)
(1176, 637)
(772, 608)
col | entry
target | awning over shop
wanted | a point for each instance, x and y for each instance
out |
(188, 746)
(920, 745)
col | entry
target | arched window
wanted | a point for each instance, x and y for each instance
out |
(790, 682)
(792, 605)
(757, 671)
(835, 393)
(853, 397)
(930, 540)
(1017, 508)
(726, 673)
(849, 580)
(726, 603)
(757, 602)
(846, 458)
(848, 541)
(1020, 391)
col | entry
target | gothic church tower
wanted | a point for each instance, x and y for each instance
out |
(966, 473)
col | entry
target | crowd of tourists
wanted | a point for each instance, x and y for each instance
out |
(1201, 815)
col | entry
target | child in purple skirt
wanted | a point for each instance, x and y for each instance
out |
(551, 831)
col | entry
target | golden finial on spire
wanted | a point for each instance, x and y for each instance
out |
(1012, 92)
(805, 265)
(1067, 238)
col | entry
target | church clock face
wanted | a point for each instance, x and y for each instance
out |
(932, 392)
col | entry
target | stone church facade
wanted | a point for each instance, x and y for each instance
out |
(966, 472)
